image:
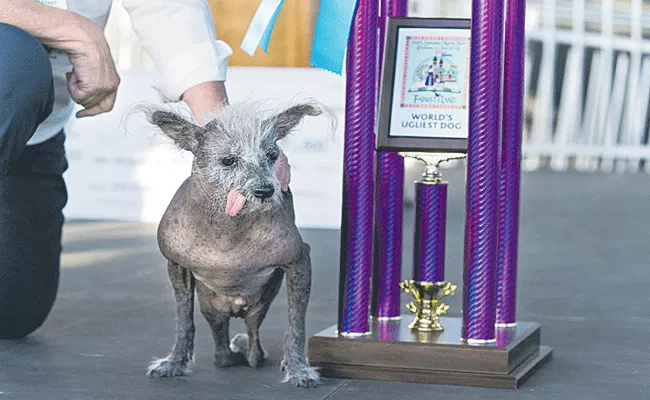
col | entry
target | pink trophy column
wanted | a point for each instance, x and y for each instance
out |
(389, 204)
(510, 168)
(479, 275)
(358, 186)
(430, 231)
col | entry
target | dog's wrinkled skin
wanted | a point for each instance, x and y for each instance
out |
(235, 264)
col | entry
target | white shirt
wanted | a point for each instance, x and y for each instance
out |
(178, 34)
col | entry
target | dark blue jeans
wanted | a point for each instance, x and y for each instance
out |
(32, 190)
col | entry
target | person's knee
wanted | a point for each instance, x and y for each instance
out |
(18, 327)
(26, 303)
(28, 290)
(25, 70)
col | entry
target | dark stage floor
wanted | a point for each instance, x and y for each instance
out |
(583, 275)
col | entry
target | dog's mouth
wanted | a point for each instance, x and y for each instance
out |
(235, 202)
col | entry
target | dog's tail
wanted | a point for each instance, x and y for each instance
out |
(240, 344)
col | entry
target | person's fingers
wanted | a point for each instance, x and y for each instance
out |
(91, 97)
(97, 109)
(111, 101)
(89, 112)
(105, 105)
(94, 87)
(73, 84)
(91, 101)
(105, 101)
(78, 94)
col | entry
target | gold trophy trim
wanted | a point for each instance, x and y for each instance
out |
(427, 306)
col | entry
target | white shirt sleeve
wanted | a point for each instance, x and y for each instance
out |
(179, 35)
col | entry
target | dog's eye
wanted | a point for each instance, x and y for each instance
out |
(228, 161)
(273, 157)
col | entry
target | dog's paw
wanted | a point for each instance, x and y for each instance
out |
(166, 368)
(257, 359)
(223, 360)
(303, 376)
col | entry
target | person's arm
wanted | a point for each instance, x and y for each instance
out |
(56, 28)
(205, 98)
(93, 82)
(180, 37)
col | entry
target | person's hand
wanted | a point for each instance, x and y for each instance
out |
(94, 80)
(206, 98)
(283, 171)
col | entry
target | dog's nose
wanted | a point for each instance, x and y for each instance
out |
(264, 192)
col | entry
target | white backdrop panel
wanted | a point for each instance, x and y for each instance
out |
(131, 174)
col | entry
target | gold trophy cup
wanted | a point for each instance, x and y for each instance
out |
(427, 306)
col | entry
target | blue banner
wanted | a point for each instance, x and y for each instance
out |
(260, 28)
(332, 33)
(330, 36)
(264, 44)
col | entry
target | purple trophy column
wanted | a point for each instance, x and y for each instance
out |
(510, 168)
(390, 204)
(430, 228)
(358, 173)
(504, 335)
(479, 275)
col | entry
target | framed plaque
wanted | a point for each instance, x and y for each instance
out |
(424, 90)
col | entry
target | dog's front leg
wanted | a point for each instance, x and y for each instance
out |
(176, 362)
(299, 373)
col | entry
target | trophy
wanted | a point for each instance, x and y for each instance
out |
(433, 117)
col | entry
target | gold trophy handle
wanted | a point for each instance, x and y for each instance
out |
(412, 307)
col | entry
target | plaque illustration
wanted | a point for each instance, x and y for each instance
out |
(435, 73)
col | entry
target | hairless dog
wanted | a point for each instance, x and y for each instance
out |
(229, 234)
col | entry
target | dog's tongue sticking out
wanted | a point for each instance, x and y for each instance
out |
(235, 202)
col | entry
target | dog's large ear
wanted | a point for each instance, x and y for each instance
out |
(284, 122)
(185, 134)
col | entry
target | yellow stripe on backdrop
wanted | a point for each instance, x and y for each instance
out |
(290, 44)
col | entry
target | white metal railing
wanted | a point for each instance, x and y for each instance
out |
(610, 132)
(601, 46)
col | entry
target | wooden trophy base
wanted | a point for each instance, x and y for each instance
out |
(392, 352)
